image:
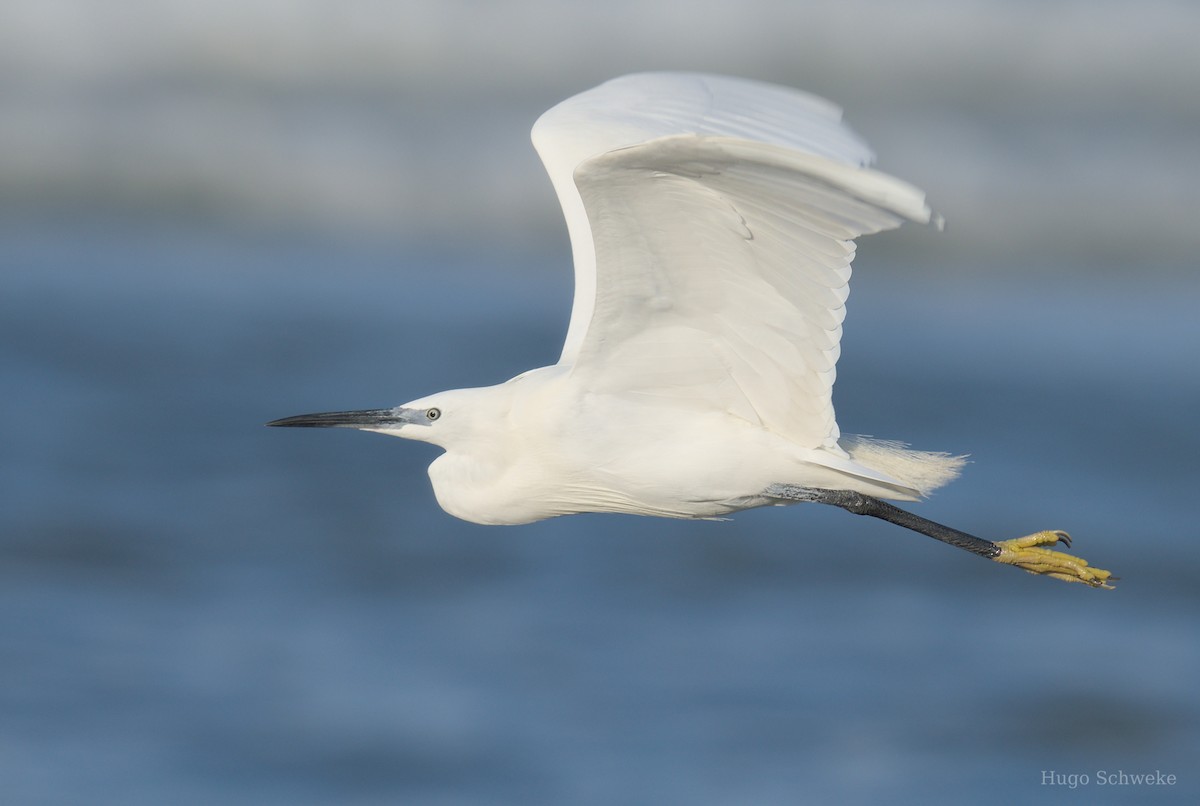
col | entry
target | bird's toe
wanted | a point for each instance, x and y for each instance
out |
(1028, 553)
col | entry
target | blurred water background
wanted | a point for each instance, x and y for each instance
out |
(215, 214)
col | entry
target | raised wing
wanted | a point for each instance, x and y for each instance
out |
(711, 221)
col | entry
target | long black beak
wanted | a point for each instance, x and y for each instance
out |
(364, 418)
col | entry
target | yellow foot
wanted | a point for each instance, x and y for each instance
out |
(1027, 552)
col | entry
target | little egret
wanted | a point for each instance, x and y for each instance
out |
(712, 224)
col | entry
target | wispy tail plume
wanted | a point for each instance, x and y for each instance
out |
(923, 471)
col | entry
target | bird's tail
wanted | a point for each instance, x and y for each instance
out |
(922, 471)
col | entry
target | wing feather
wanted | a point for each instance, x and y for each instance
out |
(712, 223)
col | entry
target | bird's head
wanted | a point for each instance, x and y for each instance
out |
(438, 418)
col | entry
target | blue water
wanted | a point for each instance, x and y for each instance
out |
(195, 609)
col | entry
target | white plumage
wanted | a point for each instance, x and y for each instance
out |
(712, 222)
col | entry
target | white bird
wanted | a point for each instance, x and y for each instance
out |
(712, 223)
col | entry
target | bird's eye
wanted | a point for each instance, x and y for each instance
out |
(433, 414)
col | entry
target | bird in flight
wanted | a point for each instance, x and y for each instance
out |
(712, 224)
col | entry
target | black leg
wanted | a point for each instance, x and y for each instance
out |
(1028, 553)
(861, 504)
